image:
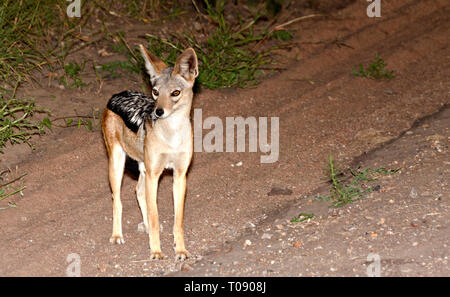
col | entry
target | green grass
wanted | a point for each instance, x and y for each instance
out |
(38, 35)
(72, 75)
(113, 69)
(15, 125)
(375, 70)
(302, 217)
(10, 188)
(34, 34)
(344, 189)
(231, 56)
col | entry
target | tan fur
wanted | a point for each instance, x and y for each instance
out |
(166, 144)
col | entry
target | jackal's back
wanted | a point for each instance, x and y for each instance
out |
(133, 107)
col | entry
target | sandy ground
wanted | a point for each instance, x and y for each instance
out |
(232, 225)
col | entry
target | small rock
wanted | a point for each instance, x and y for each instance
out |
(250, 225)
(413, 193)
(197, 26)
(279, 227)
(141, 227)
(247, 243)
(297, 244)
(239, 163)
(185, 267)
(266, 236)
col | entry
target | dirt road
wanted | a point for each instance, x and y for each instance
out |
(322, 109)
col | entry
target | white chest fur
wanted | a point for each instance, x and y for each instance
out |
(175, 131)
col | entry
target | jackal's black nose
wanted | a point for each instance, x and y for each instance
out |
(159, 112)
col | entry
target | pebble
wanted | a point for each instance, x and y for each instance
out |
(185, 267)
(297, 244)
(141, 227)
(197, 26)
(251, 225)
(266, 236)
(413, 193)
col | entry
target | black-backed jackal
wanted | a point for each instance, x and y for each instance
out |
(157, 133)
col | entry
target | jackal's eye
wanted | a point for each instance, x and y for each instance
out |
(155, 92)
(175, 93)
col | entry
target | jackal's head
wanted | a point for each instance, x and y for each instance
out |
(172, 86)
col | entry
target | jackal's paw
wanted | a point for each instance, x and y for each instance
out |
(117, 239)
(156, 256)
(142, 228)
(182, 255)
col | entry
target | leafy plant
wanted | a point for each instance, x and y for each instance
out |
(376, 70)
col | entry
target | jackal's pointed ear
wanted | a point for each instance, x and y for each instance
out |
(153, 64)
(187, 65)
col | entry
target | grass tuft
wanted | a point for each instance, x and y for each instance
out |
(376, 70)
(344, 190)
(10, 188)
(15, 125)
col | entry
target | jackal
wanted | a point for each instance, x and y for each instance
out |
(156, 132)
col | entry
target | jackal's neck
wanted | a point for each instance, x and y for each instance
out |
(176, 121)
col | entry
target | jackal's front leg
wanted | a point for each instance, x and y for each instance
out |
(116, 168)
(179, 191)
(151, 190)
